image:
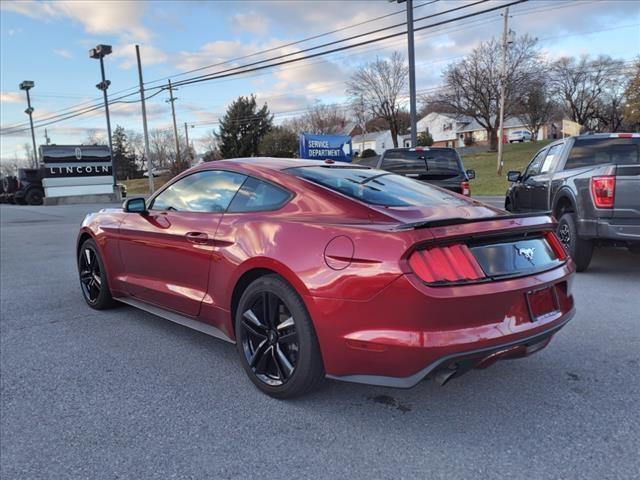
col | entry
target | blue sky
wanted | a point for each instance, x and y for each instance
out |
(48, 42)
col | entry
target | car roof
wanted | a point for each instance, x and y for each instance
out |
(272, 163)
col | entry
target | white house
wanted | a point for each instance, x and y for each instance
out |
(449, 130)
(377, 141)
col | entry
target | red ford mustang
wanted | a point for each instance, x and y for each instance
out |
(324, 269)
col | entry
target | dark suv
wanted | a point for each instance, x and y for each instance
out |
(591, 183)
(439, 166)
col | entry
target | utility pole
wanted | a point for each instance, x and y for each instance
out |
(147, 152)
(503, 86)
(172, 99)
(412, 74)
(186, 136)
(47, 140)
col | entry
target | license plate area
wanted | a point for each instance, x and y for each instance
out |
(542, 303)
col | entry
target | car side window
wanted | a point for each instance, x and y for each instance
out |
(256, 195)
(551, 158)
(536, 164)
(205, 191)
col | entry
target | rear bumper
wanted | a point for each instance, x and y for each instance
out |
(619, 229)
(456, 364)
(410, 331)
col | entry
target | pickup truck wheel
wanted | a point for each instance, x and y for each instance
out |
(579, 249)
(34, 197)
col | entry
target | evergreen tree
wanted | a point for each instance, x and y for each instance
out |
(124, 158)
(242, 128)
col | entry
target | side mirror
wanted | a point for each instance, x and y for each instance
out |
(471, 174)
(135, 205)
(513, 176)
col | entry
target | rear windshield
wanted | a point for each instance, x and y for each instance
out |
(596, 151)
(375, 187)
(435, 161)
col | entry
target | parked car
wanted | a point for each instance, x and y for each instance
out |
(321, 269)
(156, 172)
(591, 183)
(519, 136)
(440, 166)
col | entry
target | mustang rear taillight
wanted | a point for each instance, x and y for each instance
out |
(556, 245)
(466, 189)
(448, 263)
(603, 191)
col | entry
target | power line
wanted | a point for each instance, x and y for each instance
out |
(297, 42)
(220, 73)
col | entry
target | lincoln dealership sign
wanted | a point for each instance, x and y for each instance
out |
(71, 170)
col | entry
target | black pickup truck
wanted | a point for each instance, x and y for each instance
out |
(438, 165)
(591, 183)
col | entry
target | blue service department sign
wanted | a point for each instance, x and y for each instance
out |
(323, 147)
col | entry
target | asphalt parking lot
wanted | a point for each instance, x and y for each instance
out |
(123, 394)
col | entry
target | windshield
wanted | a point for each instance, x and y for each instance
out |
(376, 187)
(434, 161)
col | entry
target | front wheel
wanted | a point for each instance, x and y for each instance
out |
(93, 278)
(579, 249)
(276, 340)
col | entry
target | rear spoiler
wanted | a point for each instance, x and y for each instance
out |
(461, 220)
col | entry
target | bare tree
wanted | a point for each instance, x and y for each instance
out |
(472, 86)
(320, 119)
(380, 84)
(31, 159)
(632, 100)
(94, 137)
(581, 84)
(536, 107)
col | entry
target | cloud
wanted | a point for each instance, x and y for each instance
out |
(62, 52)
(149, 55)
(12, 97)
(251, 23)
(122, 18)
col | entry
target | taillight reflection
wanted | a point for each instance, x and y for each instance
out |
(449, 263)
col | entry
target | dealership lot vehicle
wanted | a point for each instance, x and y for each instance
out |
(591, 183)
(82, 387)
(318, 269)
(439, 166)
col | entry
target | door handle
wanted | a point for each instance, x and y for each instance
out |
(197, 237)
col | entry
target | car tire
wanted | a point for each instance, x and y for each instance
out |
(276, 340)
(580, 249)
(93, 277)
(34, 197)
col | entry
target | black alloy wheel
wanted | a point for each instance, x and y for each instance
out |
(90, 275)
(579, 249)
(276, 339)
(269, 339)
(93, 280)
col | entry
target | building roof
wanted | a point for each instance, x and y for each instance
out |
(368, 137)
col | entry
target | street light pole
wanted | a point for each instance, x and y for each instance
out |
(147, 152)
(99, 53)
(26, 86)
